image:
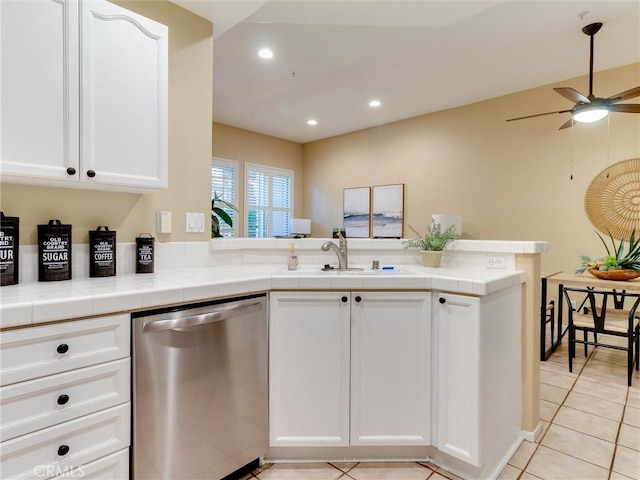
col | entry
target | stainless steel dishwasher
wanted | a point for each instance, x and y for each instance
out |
(199, 389)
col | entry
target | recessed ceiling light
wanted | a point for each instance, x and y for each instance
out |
(265, 53)
(375, 103)
(312, 122)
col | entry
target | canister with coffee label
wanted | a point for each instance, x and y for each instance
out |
(145, 253)
(54, 252)
(9, 250)
(102, 252)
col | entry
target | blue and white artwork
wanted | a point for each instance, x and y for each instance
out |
(388, 211)
(357, 212)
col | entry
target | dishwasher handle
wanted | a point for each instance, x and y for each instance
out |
(202, 319)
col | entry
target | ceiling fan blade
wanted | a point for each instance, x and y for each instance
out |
(571, 94)
(634, 92)
(537, 115)
(625, 108)
(567, 124)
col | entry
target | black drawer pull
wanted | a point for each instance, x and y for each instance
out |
(344, 299)
(71, 171)
(62, 399)
(358, 298)
(63, 450)
(62, 348)
(91, 173)
(442, 300)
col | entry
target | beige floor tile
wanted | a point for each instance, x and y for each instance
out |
(446, 474)
(437, 476)
(390, 471)
(300, 471)
(579, 445)
(528, 476)
(631, 416)
(619, 476)
(523, 455)
(627, 462)
(553, 394)
(429, 465)
(634, 397)
(612, 393)
(609, 355)
(609, 374)
(553, 465)
(556, 379)
(629, 437)
(509, 473)
(557, 367)
(596, 406)
(543, 430)
(548, 410)
(344, 466)
(587, 423)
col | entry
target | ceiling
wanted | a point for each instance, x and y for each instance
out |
(331, 57)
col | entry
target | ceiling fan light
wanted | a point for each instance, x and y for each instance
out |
(590, 115)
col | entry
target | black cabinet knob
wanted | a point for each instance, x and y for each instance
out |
(62, 399)
(345, 299)
(62, 348)
(91, 173)
(358, 298)
(71, 171)
(442, 300)
(63, 450)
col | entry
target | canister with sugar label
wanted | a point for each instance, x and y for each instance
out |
(54, 251)
(9, 249)
(102, 252)
(144, 253)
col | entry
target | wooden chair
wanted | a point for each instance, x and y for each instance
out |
(598, 319)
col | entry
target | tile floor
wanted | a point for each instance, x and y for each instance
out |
(590, 430)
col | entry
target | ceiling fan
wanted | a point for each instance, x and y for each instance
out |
(591, 108)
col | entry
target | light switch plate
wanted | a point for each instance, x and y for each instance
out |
(194, 222)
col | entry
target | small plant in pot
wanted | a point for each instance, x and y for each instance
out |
(618, 264)
(432, 243)
(218, 214)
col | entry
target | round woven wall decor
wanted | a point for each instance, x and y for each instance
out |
(612, 200)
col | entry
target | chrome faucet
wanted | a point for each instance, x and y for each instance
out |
(341, 251)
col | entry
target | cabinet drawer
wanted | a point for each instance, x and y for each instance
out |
(44, 402)
(111, 467)
(40, 351)
(85, 439)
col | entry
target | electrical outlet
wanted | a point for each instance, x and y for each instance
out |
(163, 222)
(496, 261)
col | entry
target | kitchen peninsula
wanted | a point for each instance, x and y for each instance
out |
(476, 329)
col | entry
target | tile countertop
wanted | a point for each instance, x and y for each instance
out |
(38, 302)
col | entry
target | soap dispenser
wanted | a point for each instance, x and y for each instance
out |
(292, 261)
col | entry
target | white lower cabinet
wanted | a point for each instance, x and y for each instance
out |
(349, 368)
(65, 399)
(478, 376)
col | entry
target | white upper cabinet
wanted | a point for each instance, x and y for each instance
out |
(84, 96)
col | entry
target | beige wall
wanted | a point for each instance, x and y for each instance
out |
(244, 146)
(190, 114)
(507, 180)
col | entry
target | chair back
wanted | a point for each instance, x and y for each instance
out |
(598, 301)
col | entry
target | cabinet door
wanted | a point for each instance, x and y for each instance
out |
(457, 371)
(38, 89)
(124, 97)
(390, 368)
(309, 369)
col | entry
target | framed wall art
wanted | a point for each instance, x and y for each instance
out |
(356, 215)
(388, 211)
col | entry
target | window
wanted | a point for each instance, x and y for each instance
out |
(268, 200)
(224, 182)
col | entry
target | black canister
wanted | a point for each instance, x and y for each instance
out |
(102, 252)
(144, 253)
(9, 249)
(54, 252)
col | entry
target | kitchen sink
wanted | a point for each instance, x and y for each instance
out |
(317, 270)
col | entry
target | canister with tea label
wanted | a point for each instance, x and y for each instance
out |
(54, 251)
(144, 253)
(102, 252)
(9, 249)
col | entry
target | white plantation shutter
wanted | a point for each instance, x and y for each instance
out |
(224, 181)
(269, 200)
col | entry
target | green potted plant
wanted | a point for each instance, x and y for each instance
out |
(432, 243)
(618, 264)
(218, 214)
